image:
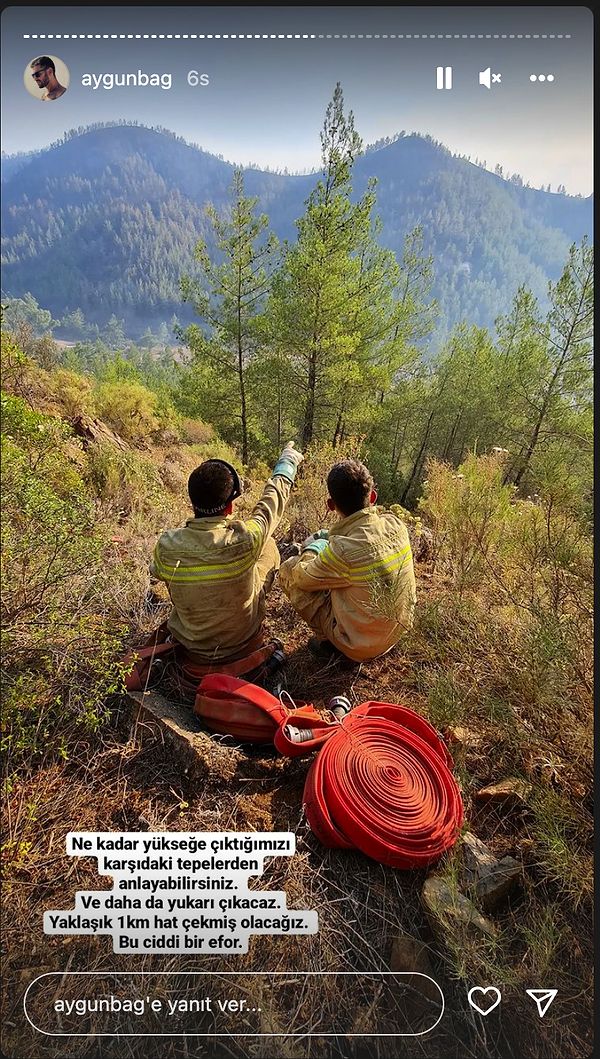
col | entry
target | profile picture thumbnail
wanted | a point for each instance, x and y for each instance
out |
(46, 78)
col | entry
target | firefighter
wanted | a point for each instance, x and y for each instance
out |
(354, 585)
(219, 569)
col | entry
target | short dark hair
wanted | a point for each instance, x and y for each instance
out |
(45, 61)
(349, 484)
(209, 487)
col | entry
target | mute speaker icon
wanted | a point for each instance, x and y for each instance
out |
(485, 77)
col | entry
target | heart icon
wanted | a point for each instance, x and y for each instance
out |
(493, 995)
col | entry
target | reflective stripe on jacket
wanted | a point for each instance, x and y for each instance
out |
(368, 569)
(210, 568)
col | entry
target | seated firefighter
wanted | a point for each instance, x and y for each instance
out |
(218, 569)
(354, 585)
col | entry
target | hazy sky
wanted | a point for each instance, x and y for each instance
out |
(266, 97)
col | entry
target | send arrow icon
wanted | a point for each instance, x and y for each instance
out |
(543, 999)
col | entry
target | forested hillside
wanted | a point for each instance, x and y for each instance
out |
(115, 214)
(327, 337)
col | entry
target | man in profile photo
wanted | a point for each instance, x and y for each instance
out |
(44, 75)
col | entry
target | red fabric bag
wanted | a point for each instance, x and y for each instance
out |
(237, 707)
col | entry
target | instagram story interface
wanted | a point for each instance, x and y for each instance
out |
(297, 338)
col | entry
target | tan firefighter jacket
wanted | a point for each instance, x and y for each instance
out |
(367, 570)
(213, 570)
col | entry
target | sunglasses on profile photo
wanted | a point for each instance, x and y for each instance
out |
(38, 73)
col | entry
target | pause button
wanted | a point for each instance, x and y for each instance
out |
(443, 77)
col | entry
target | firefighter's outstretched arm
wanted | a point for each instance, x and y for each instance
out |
(269, 509)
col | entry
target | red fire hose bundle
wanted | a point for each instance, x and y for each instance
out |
(381, 782)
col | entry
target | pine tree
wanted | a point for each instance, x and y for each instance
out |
(228, 298)
(317, 300)
(114, 333)
(563, 378)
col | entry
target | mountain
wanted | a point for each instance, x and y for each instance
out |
(12, 163)
(106, 221)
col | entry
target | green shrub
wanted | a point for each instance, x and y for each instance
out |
(56, 685)
(12, 361)
(58, 648)
(217, 450)
(79, 522)
(468, 510)
(195, 432)
(72, 393)
(124, 483)
(129, 408)
(516, 607)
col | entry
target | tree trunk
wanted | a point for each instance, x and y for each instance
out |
(244, 420)
(397, 449)
(338, 429)
(309, 410)
(532, 444)
(540, 419)
(240, 352)
(417, 463)
(531, 447)
(452, 438)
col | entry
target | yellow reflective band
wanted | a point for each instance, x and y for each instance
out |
(206, 568)
(211, 571)
(332, 560)
(257, 534)
(253, 522)
(393, 564)
(363, 579)
(405, 552)
(181, 578)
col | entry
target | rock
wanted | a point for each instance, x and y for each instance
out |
(409, 954)
(450, 913)
(478, 859)
(173, 476)
(167, 436)
(510, 793)
(94, 430)
(494, 887)
(462, 737)
(175, 725)
(490, 879)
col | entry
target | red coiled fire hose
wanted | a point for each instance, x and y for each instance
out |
(381, 783)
